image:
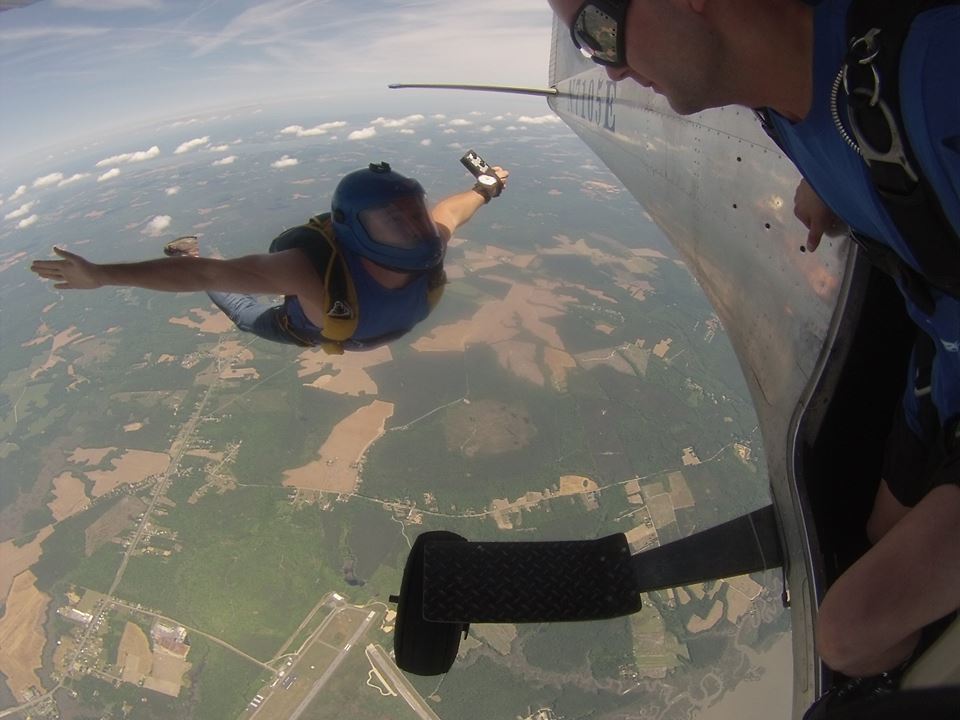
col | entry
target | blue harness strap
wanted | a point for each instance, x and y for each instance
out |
(871, 82)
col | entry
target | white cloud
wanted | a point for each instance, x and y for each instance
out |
(110, 5)
(112, 173)
(407, 131)
(181, 123)
(191, 144)
(218, 148)
(18, 193)
(229, 160)
(138, 156)
(426, 142)
(172, 190)
(155, 227)
(449, 131)
(460, 122)
(284, 161)
(20, 211)
(26, 222)
(487, 128)
(47, 180)
(396, 122)
(33, 34)
(367, 132)
(72, 179)
(439, 116)
(320, 129)
(539, 120)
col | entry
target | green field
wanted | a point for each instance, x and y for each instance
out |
(249, 572)
(63, 559)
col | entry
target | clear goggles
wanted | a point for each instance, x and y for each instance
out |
(597, 30)
(403, 223)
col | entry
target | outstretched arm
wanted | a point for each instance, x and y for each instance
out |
(284, 272)
(454, 211)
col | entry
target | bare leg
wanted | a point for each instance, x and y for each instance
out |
(887, 511)
(870, 619)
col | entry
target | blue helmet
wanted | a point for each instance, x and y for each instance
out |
(381, 215)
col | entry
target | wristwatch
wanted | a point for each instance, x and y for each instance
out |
(489, 186)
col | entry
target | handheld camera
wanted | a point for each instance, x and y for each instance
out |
(488, 184)
(476, 164)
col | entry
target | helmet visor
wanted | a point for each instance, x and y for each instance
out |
(403, 223)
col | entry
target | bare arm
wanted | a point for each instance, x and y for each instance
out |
(454, 211)
(285, 272)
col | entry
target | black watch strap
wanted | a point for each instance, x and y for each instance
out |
(489, 189)
(485, 191)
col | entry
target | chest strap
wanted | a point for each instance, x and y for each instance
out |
(340, 306)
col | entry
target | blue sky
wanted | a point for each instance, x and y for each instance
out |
(69, 68)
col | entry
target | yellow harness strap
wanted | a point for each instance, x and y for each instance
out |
(340, 307)
(435, 285)
(340, 304)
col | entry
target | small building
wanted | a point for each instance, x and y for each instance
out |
(74, 615)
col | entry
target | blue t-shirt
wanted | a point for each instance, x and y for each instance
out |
(385, 311)
(930, 98)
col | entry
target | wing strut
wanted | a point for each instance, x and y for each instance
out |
(545, 92)
(449, 582)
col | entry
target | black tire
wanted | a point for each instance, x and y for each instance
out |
(422, 647)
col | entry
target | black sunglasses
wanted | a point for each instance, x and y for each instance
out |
(597, 30)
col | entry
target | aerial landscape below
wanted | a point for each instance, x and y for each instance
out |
(197, 523)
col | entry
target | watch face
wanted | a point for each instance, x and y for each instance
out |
(487, 180)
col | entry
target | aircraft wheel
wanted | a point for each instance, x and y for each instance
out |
(420, 646)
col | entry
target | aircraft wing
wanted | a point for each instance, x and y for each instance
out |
(722, 193)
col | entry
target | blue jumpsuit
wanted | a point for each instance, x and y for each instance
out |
(930, 100)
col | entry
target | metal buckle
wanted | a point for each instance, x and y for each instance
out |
(340, 310)
(895, 153)
(863, 51)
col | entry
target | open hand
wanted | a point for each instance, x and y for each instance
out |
(70, 273)
(819, 219)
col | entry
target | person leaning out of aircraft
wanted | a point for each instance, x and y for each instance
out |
(782, 57)
(353, 279)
